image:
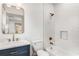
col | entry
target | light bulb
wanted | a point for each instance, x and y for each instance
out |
(18, 6)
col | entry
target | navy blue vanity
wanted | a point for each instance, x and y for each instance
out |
(16, 51)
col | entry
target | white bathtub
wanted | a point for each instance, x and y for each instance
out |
(63, 50)
(56, 51)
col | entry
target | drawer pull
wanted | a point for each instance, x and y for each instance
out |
(13, 52)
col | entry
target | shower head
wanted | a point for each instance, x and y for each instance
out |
(51, 14)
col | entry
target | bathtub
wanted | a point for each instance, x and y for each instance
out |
(56, 51)
(63, 50)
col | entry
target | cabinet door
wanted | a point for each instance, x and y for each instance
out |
(17, 51)
(4, 52)
(24, 50)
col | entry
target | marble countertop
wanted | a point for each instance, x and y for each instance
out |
(6, 45)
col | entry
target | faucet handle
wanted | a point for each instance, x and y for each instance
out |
(51, 43)
(9, 40)
(17, 39)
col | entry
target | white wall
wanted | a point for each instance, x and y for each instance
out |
(67, 19)
(34, 21)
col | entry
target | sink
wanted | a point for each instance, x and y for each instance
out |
(6, 45)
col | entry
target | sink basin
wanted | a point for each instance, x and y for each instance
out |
(6, 45)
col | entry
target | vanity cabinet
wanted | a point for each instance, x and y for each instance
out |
(16, 51)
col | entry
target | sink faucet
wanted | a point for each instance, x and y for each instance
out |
(13, 37)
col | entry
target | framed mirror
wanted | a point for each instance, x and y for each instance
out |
(13, 19)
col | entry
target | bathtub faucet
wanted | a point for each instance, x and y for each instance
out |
(51, 43)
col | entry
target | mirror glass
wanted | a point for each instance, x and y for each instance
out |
(13, 19)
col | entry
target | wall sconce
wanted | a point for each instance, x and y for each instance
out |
(8, 5)
(18, 6)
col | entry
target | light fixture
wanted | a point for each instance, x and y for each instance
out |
(17, 7)
(8, 5)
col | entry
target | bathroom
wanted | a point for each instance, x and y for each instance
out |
(42, 29)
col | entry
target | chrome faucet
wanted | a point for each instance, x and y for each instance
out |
(13, 37)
